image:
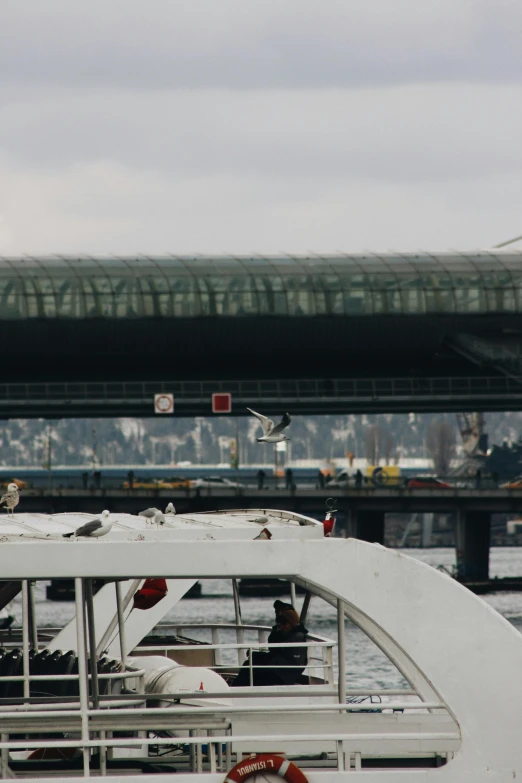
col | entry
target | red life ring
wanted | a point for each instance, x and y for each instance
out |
(267, 763)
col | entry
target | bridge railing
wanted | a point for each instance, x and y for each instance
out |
(252, 390)
(61, 482)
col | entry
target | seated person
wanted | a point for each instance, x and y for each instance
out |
(288, 628)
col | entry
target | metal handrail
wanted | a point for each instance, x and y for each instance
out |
(234, 709)
(277, 389)
(126, 675)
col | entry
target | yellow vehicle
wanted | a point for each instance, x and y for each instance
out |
(376, 476)
(169, 483)
(383, 475)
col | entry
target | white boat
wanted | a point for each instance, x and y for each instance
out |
(151, 709)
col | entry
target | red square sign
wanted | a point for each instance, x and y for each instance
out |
(222, 402)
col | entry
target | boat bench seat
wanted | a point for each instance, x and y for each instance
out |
(376, 735)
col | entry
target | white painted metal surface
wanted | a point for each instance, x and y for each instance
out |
(457, 653)
(242, 524)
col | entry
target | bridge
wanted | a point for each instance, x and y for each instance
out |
(84, 336)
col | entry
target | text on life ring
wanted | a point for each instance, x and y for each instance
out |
(268, 763)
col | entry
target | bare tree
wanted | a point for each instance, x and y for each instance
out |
(388, 447)
(373, 444)
(440, 445)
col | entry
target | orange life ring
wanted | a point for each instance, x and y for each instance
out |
(269, 764)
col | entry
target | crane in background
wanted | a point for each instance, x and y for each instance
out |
(473, 434)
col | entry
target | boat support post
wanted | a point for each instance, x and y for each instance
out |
(306, 604)
(121, 624)
(240, 636)
(5, 771)
(25, 636)
(32, 616)
(82, 671)
(293, 597)
(92, 644)
(341, 647)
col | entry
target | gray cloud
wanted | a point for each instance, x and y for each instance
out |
(260, 126)
(260, 43)
(414, 133)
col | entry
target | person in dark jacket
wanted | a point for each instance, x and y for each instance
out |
(271, 667)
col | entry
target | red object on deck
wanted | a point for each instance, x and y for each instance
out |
(150, 594)
(328, 524)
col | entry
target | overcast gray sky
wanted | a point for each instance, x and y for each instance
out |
(259, 126)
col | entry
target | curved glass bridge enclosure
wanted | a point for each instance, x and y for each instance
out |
(184, 286)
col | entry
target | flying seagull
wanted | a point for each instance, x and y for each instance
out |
(92, 529)
(11, 498)
(271, 432)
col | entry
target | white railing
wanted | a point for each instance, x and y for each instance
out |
(94, 717)
(202, 731)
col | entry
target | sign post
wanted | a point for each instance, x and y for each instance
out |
(164, 403)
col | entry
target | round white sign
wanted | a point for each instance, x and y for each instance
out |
(164, 403)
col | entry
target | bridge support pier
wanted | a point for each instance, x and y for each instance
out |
(472, 536)
(366, 525)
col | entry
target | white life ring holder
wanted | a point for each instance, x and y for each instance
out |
(266, 763)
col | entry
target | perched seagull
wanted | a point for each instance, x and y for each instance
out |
(265, 535)
(92, 529)
(170, 509)
(159, 519)
(260, 520)
(271, 432)
(149, 514)
(11, 498)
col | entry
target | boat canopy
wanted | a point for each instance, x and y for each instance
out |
(235, 523)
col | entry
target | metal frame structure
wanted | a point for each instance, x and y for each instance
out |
(192, 286)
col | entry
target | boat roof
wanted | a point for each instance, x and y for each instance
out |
(229, 524)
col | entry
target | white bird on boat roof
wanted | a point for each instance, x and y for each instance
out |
(92, 529)
(272, 432)
(156, 515)
(149, 513)
(159, 518)
(11, 498)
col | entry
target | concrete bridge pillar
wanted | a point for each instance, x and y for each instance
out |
(366, 525)
(472, 535)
